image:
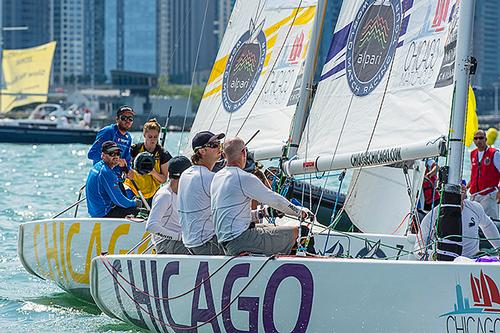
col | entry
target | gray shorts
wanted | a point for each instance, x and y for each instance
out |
(262, 239)
(211, 247)
(170, 246)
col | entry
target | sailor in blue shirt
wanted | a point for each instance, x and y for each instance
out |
(104, 197)
(118, 133)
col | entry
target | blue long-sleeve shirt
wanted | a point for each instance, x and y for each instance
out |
(103, 191)
(111, 133)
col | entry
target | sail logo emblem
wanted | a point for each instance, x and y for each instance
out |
(441, 15)
(296, 51)
(371, 44)
(479, 314)
(244, 66)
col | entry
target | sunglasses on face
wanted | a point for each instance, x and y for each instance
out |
(115, 153)
(215, 144)
(127, 118)
(479, 138)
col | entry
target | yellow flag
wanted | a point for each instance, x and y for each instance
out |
(26, 73)
(471, 125)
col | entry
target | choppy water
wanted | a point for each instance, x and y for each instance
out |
(37, 181)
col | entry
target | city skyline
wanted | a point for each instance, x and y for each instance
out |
(161, 37)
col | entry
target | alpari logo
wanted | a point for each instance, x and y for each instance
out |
(371, 44)
(243, 68)
(480, 316)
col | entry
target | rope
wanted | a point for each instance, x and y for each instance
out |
(341, 180)
(177, 327)
(272, 68)
(192, 77)
(106, 262)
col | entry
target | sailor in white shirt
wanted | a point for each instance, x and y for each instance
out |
(232, 192)
(163, 220)
(194, 196)
(473, 217)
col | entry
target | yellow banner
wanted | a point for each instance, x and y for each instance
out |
(26, 75)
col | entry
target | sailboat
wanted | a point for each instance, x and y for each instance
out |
(267, 50)
(397, 72)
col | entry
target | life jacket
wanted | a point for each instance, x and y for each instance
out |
(484, 176)
(429, 186)
(146, 183)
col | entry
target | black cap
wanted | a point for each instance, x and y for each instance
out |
(109, 147)
(204, 137)
(124, 108)
(177, 165)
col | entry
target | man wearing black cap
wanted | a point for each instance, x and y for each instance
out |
(118, 133)
(104, 197)
(195, 213)
(163, 220)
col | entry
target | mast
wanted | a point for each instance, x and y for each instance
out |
(462, 66)
(449, 227)
(300, 117)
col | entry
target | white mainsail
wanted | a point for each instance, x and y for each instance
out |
(258, 73)
(387, 81)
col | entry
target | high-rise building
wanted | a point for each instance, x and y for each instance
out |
(34, 15)
(486, 41)
(189, 34)
(223, 12)
(94, 42)
(130, 36)
(67, 28)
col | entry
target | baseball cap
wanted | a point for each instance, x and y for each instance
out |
(202, 138)
(124, 108)
(177, 165)
(109, 147)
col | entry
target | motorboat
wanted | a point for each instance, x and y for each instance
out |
(48, 123)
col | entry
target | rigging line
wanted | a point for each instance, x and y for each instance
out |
(105, 262)
(209, 320)
(369, 142)
(195, 65)
(272, 68)
(353, 235)
(170, 57)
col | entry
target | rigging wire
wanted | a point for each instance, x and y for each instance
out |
(195, 65)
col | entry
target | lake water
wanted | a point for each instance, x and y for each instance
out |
(37, 181)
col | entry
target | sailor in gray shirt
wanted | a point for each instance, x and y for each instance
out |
(232, 192)
(194, 196)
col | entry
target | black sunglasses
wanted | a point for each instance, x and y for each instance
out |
(125, 118)
(479, 138)
(215, 144)
(114, 153)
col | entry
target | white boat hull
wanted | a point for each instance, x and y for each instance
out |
(295, 294)
(61, 250)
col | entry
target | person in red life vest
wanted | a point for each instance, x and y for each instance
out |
(429, 186)
(485, 175)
